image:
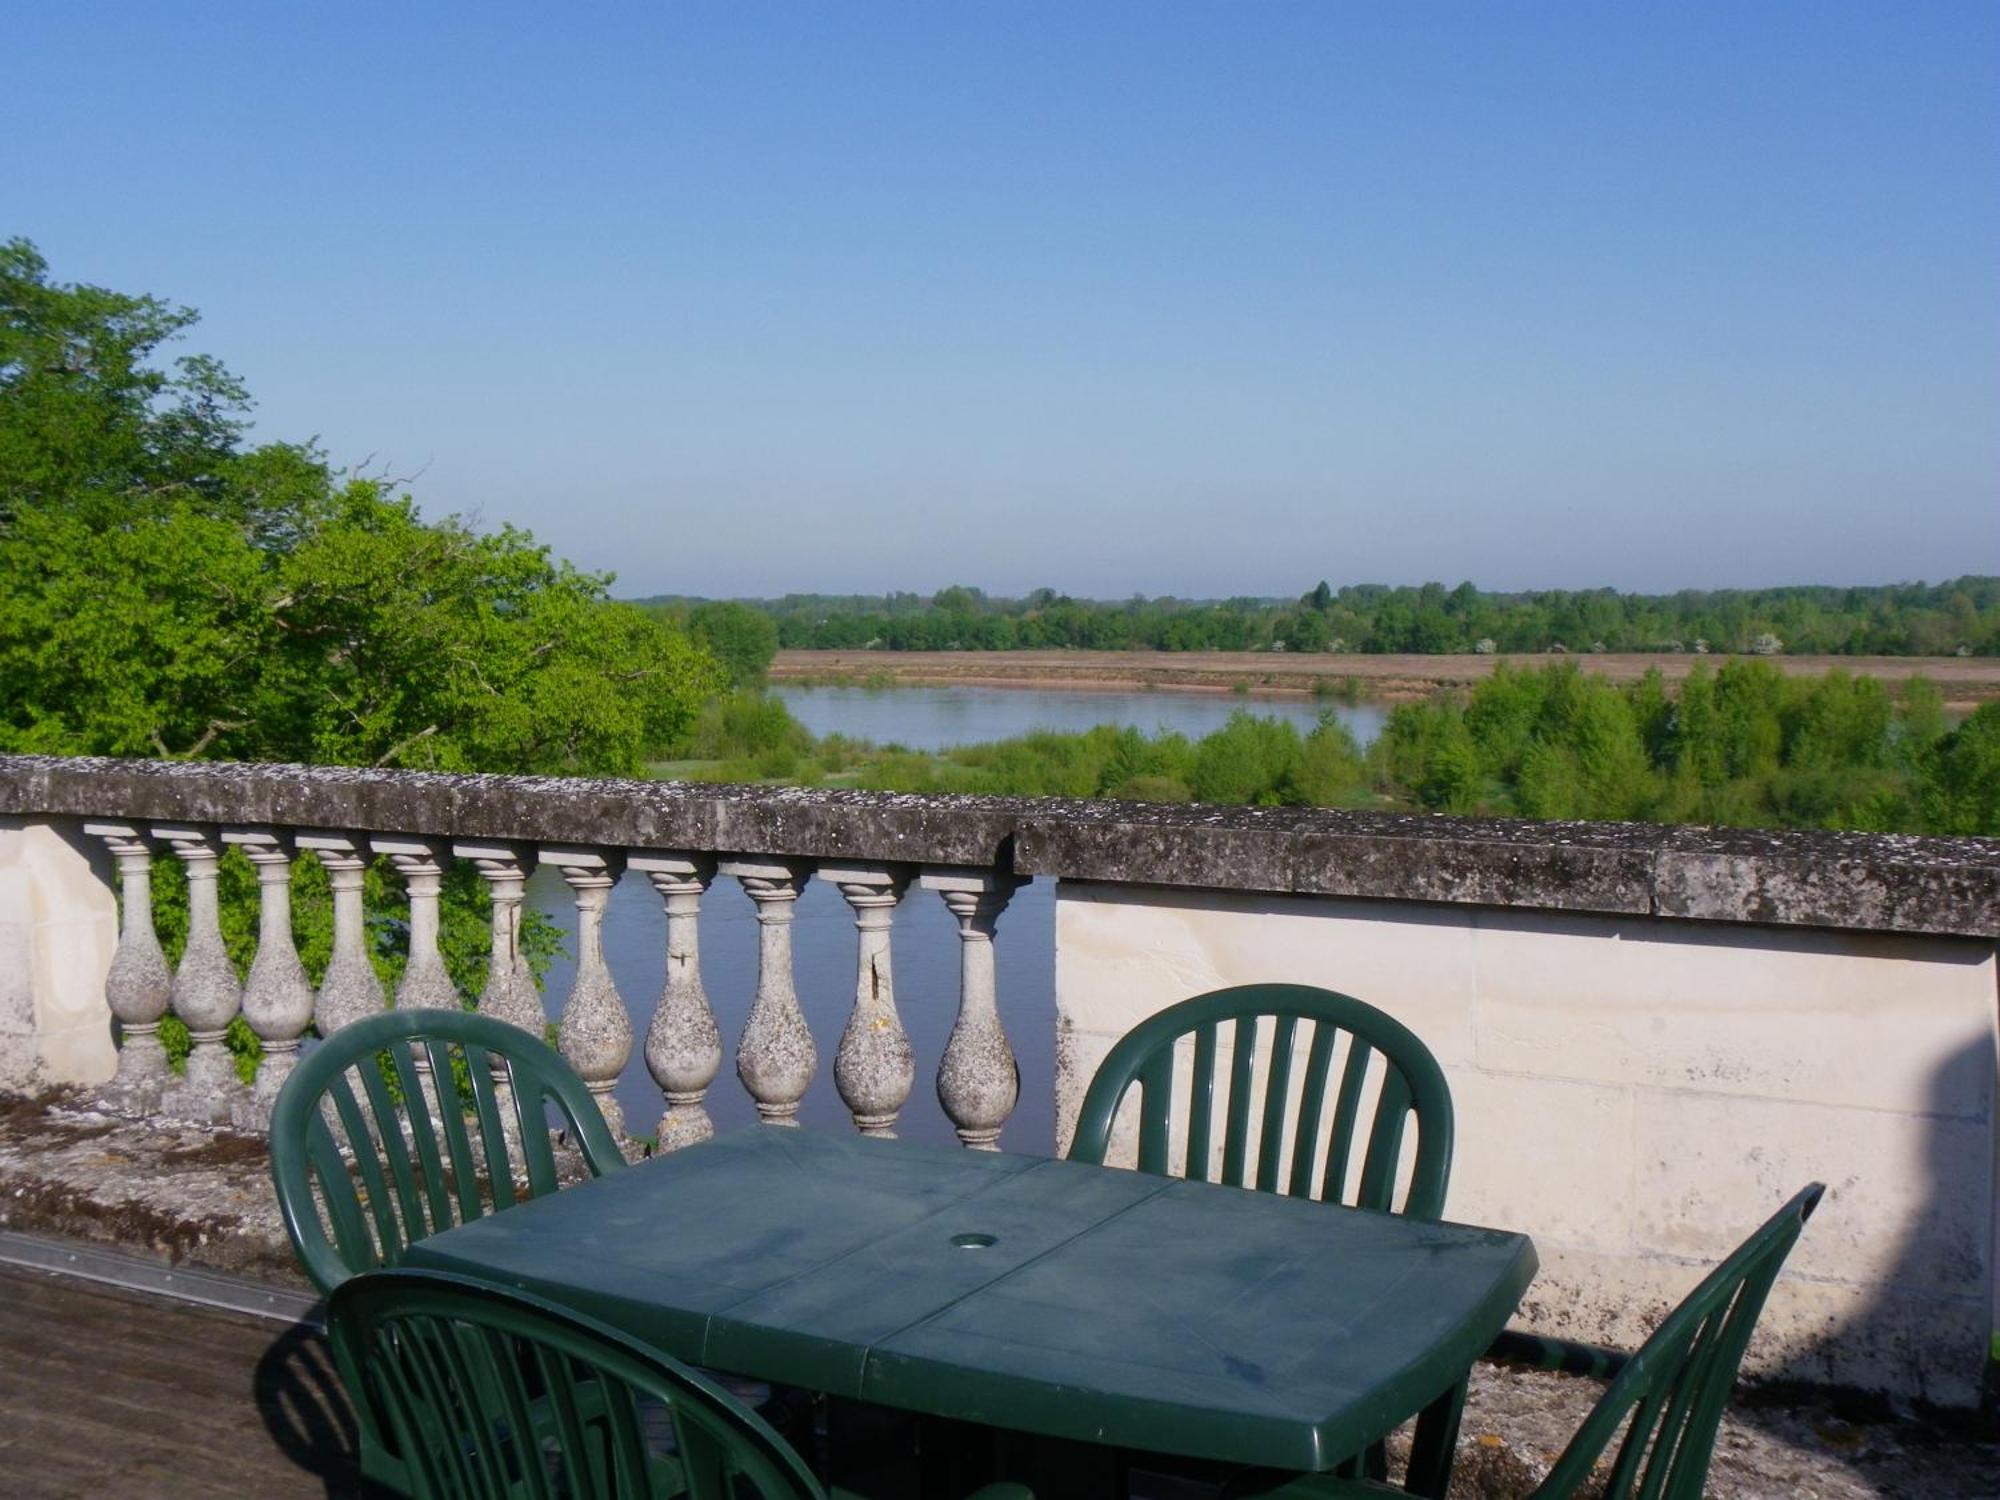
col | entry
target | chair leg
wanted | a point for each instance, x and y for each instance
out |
(1435, 1444)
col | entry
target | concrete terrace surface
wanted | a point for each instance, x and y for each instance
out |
(107, 1392)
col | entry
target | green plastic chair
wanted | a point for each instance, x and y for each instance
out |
(1674, 1390)
(418, 1173)
(490, 1394)
(1413, 1088)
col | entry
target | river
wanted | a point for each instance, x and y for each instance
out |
(925, 957)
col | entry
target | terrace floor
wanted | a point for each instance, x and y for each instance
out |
(106, 1392)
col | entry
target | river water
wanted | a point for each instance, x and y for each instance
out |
(925, 954)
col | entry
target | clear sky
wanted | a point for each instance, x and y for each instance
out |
(1203, 299)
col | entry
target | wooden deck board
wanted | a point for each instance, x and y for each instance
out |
(105, 1393)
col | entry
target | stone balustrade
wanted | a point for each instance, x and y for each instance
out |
(776, 1060)
(1652, 1034)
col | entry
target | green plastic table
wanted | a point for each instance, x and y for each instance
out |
(1047, 1296)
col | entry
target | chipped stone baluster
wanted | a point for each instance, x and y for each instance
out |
(596, 1034)
(277, 998)
(425, 985)
(873, 1067)
(139, 984)
(683, 1044)
(350, 989)
(510, 994)
(775, 1057)
(978, 1080)
(206, 993)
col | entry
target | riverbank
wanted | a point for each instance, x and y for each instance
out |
(1966, 682)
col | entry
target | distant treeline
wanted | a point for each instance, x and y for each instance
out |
(1745, 745)
(1912, 619)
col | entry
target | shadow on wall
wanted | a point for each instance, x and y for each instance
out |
(1934, 1309)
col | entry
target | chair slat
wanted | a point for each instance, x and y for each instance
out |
(1236, 1136)
(445, 1432)
(402, 1397)
(1385, 1142)
(374, 1185)
(464, 1165)
(1312, 1104)
(1156, 1111)
(559, 1392)
(1638, 1441)
(626, 1474)
(481, 1065)
(396, 1151)
(1697, 1372)
(336, 1191)
(1201, 1105)
(1346, 1110)
(430, 1161)
(531, 1118)
(1277, 1095)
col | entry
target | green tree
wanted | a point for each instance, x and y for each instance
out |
(1250, 759)
(742, 638)
(167, 591)
(1960, 788)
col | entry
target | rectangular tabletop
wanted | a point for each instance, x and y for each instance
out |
(1017, 1291)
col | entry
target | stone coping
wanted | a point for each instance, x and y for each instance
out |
(1857, 881)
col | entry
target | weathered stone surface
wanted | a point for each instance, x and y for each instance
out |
(595, 1035)
(775, 1057)
(139, 985)
(683, 1043)
(277, 998)
(1861, 881)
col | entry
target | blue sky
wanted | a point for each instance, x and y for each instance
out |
(1202, 299)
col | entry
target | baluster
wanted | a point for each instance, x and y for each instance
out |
(978, 1080)
(683, 1044)
(277, 998)
(206, 994)
(425, 985)
(510, 994)
(139, 984)
(596, 1033)
(350, 989)
(775, 1057)
(873, 1067)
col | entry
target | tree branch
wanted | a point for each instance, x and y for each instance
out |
(215, 727)
(397, 749)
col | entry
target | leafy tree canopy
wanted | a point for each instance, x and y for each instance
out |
(169, 591)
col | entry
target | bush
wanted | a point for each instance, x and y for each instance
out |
(1249, 759)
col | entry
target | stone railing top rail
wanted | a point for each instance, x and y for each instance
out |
(1870, 882)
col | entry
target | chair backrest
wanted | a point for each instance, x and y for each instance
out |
(364, 1166)
(1676, 1386)
(1366, 1078)
(490, 1392)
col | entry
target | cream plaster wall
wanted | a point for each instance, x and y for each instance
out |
(1640, 1093)
(58, 927)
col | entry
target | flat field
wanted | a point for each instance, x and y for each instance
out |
(1965, 681)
